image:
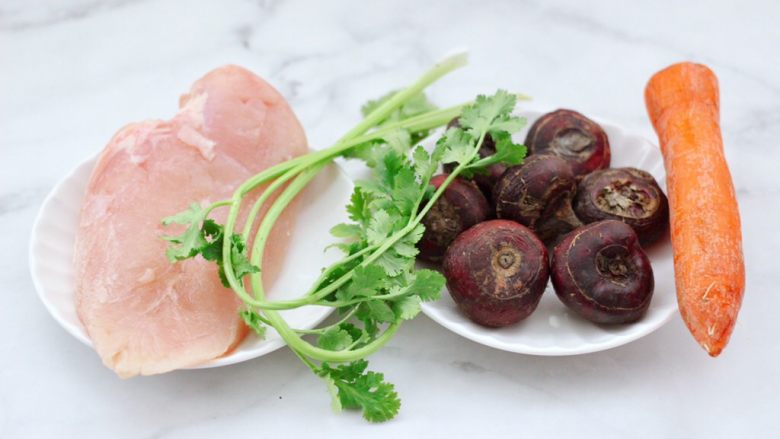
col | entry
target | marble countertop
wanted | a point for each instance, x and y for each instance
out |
(74, 72)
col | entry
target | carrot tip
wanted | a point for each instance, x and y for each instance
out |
(713, 352)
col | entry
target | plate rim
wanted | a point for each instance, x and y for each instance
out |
(34, 263)
(544, 352)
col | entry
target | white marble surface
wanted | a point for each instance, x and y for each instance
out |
(73, 72)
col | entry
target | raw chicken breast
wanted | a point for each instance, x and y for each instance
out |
(144, 314)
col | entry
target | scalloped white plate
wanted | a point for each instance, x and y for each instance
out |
(552, 329)
(53, 235)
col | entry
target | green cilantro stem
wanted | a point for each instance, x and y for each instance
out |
(321, 329)
(317, 290)
(270, 218)
(260, 202)
(342, 303)
(217, 205)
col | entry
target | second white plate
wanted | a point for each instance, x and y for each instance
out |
(554, 330)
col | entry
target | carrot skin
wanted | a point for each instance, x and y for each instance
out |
(683, 104)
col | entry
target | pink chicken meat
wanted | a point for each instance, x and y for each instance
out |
(144, 314)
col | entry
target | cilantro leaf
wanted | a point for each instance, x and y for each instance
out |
(398, 140)
(393, 262)
(506, 123)
(353, 330)
(375, 310)
(414, 236)
(405, 249)
(366, 151)
(366, 282)
(349, 372)
(458, 146)
(335, 401)
(344, 230)
(357, 206)
(428, 284)
(415, 106)
(190, 242)
(372, 152)
(212, 232)
(478, 117)
(487, 116)
(335, 339)
(379, 227)
(507, 152)
(192, 215)
(405, 191)
(424, 167)
(252, 319)
(239, 259)
(386, 170)
(357, 388)
(407, 307)
(407, 246)
(209, 244)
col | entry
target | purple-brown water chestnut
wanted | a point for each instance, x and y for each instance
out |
(601, 272)
(496, 272)
(461, 206)
(625, 194)
(573, 137)
(538, 194)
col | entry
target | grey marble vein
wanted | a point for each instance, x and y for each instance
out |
(24, 16)
(24, 199)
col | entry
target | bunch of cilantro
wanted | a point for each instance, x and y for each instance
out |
(376, 285)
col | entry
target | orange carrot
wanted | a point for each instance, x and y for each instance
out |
(683, 104)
